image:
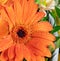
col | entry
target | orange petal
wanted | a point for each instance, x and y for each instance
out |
(21, 1)
(41, 45)
(26, 52)
(3, 56)
(11, 13)
(34, 50)
(33, 57)
(42, 26)
(45, 51)
(42, 49)
(11, 52)
(17, 59)
(3, 1)
(25, 10)
(47, 43)
(3, 28)
(5, 43)
(44, 35)
(31, 10)
(4, 16)
(38, 16)
(9, 2)
(38, 41)
(19, 52)
(18, 12)
(11, 60)
(39, 58)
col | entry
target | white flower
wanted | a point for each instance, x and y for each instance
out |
(49, 4)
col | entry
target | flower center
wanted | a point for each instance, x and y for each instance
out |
(21, 33)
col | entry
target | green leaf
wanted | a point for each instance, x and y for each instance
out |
(56, 28)
(53, 14)
(51, 49)
(43, 2)
(59, 1)
(37, 1)
(58, 43)
(57, 8)
(46, 59)
(57, 37)
(44, 19)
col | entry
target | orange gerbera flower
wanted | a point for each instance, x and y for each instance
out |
(22, 36)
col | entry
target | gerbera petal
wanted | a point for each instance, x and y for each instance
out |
(25, 10)
(11, 52)
(39, 58)
(45, 51)
(26, 52)
(34, 50)
(5, 43)
(3, 28)
(42, 26)
(3, 1)
(11, 13)
(18, 9)
(43, 48)
(21, 1)
(4, 16)
(36, 47)
(33, 57)
(3, 56)
(17, 59)
(38, 16)
(9, 2)
(47, 42)
(39, 41)
(19, 52)
(44, 35)
(32, 11)
(33, 8)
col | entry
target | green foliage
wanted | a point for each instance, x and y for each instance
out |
(57, 43)
(51, 49)
(57, 37)
(56, 28)
(43, 2)
(37, 1)
(59, 1)
(46, 59)
(53, 14)
(57, 8)
(44, 19)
